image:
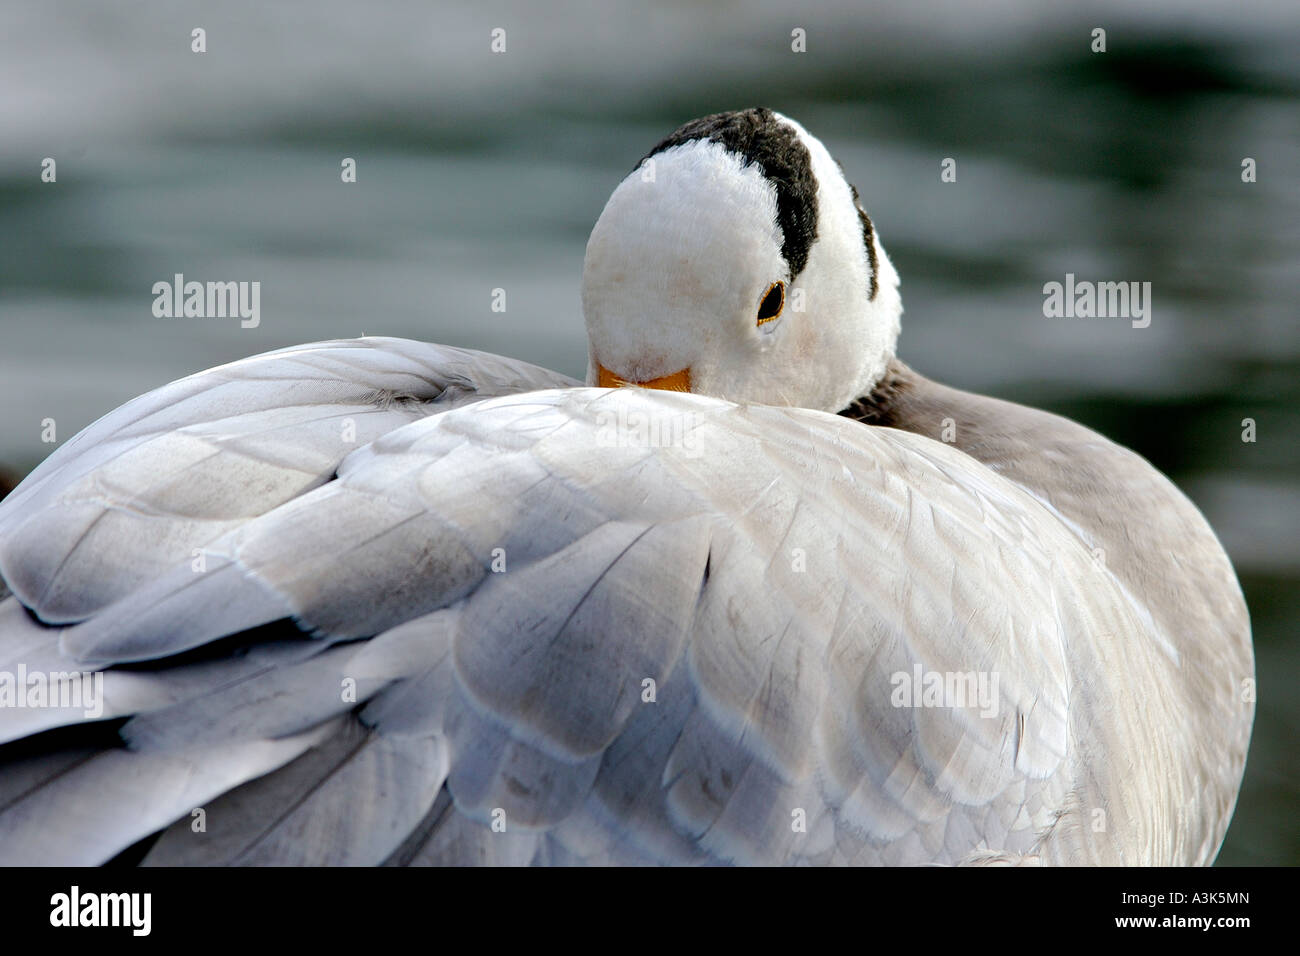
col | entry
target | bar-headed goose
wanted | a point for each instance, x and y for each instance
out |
(381, 601)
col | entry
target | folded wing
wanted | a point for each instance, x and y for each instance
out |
(559, 626)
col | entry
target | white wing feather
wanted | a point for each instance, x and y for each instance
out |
(631, 626)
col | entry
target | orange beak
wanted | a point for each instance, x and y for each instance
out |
(676, 382)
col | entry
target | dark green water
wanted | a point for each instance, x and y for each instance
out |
(478, 172)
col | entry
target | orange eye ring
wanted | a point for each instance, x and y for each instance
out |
(772, 304)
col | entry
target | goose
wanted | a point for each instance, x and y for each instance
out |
(755, 592)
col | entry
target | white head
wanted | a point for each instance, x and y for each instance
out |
(736, 262)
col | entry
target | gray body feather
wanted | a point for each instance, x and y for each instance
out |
(539, 623)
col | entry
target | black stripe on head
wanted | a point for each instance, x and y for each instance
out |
(869, 240)
(759, 138)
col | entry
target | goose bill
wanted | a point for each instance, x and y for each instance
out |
(676, 382)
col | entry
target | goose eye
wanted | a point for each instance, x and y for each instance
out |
(772, 304)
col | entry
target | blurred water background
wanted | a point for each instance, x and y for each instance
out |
(479, 171)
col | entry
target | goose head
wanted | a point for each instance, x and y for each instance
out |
(735, 261)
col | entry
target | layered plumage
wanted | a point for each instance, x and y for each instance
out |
(377, 601)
